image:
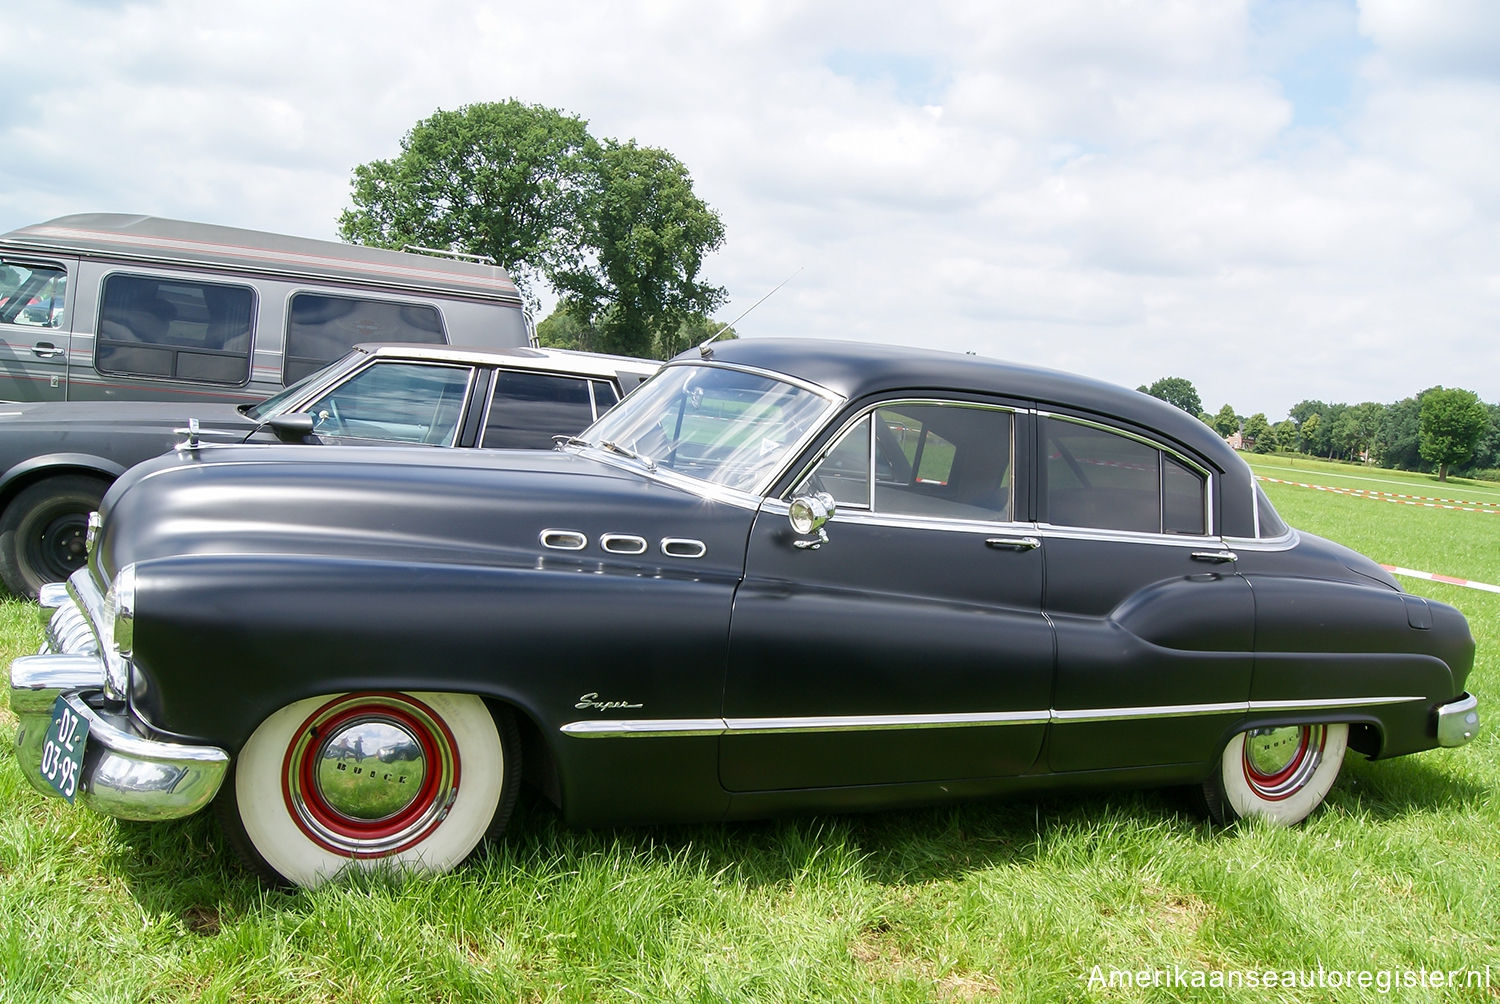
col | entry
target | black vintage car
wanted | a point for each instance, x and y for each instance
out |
(783, 575)
(57, 458)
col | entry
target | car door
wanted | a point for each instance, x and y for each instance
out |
(35, 320)
(1154, 627)
(911, 645)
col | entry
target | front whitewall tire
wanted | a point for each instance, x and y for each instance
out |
(303, 816)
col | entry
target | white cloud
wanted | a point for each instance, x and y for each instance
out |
(1129, 189)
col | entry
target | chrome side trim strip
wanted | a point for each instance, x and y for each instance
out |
(645, 727)
(862, 723)
(1351, 702)
(1161, 711)
(611, 728)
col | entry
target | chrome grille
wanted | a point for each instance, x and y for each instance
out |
(69, 631)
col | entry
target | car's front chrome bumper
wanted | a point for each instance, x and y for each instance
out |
(125, 774)
(1458, 721)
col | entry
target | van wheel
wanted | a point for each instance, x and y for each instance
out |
(43, 531)
(362, 781)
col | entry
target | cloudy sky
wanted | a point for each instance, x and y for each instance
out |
(1278, 199)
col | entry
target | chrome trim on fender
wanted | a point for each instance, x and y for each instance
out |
(683, 547)
(645, 727)
(563, 540)
(623, 543)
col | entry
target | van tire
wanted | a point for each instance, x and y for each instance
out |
(43, 531)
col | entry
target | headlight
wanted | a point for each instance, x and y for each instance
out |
(118, 632)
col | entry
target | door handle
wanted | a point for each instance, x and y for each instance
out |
(45, 350)
(1013, 543)
(1217, 557)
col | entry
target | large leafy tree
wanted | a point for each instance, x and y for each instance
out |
(1452, 422)
(1176, 391)
(563, 330)
(502, 179)
(614, 228)
(648, 234)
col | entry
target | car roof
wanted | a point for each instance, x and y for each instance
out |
(180, 242)
(556, 360)
(858, 369)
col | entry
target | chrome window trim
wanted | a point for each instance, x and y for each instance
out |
(1285, 542)
(1126, 536)
(606, 728)
(1209, 481)
(781, 507)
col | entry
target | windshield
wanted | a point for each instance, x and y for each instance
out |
(283, 399)
(724, 426)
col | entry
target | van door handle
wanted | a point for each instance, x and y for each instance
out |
(45, 350)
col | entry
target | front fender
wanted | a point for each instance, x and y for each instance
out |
(223, 641)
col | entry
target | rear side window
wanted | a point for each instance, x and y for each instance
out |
(322, 328)
(175, 329)
(528, 409)
(1092, 477)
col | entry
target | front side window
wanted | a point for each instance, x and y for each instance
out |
(1093, 477)
(929, 459)
(32, 295)
(177, 329)
(395, 402)
(321, 328)
(712, 423)
(528, 409)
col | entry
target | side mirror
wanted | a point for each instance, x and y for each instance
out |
(292, 427)
(808, 514)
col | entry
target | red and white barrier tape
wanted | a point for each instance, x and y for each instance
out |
(1457, 505)
(1434, 577)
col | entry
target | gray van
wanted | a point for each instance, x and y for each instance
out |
(108, 306)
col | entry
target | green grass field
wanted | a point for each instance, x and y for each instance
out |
(1008, 900)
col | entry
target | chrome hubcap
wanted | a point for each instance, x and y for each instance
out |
(369, 775)
(1279, 761)
(369, 770)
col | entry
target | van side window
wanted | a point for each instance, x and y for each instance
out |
(177, 329)
(528, 409)
(1092, 477)
(320, 329)
(32, 295)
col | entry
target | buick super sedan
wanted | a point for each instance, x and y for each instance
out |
(782, 576)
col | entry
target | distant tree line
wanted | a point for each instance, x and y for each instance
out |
(1442, 430)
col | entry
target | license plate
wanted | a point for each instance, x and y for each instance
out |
(62, 750)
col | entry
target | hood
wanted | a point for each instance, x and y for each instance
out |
(403, 504)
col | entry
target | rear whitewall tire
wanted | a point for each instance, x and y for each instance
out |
(1280, 775)
(290, 823)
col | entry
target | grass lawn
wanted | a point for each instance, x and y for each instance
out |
(1005, 900)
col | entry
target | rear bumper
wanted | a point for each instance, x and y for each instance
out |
(1458, 721)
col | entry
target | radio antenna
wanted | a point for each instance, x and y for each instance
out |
(705, 351)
